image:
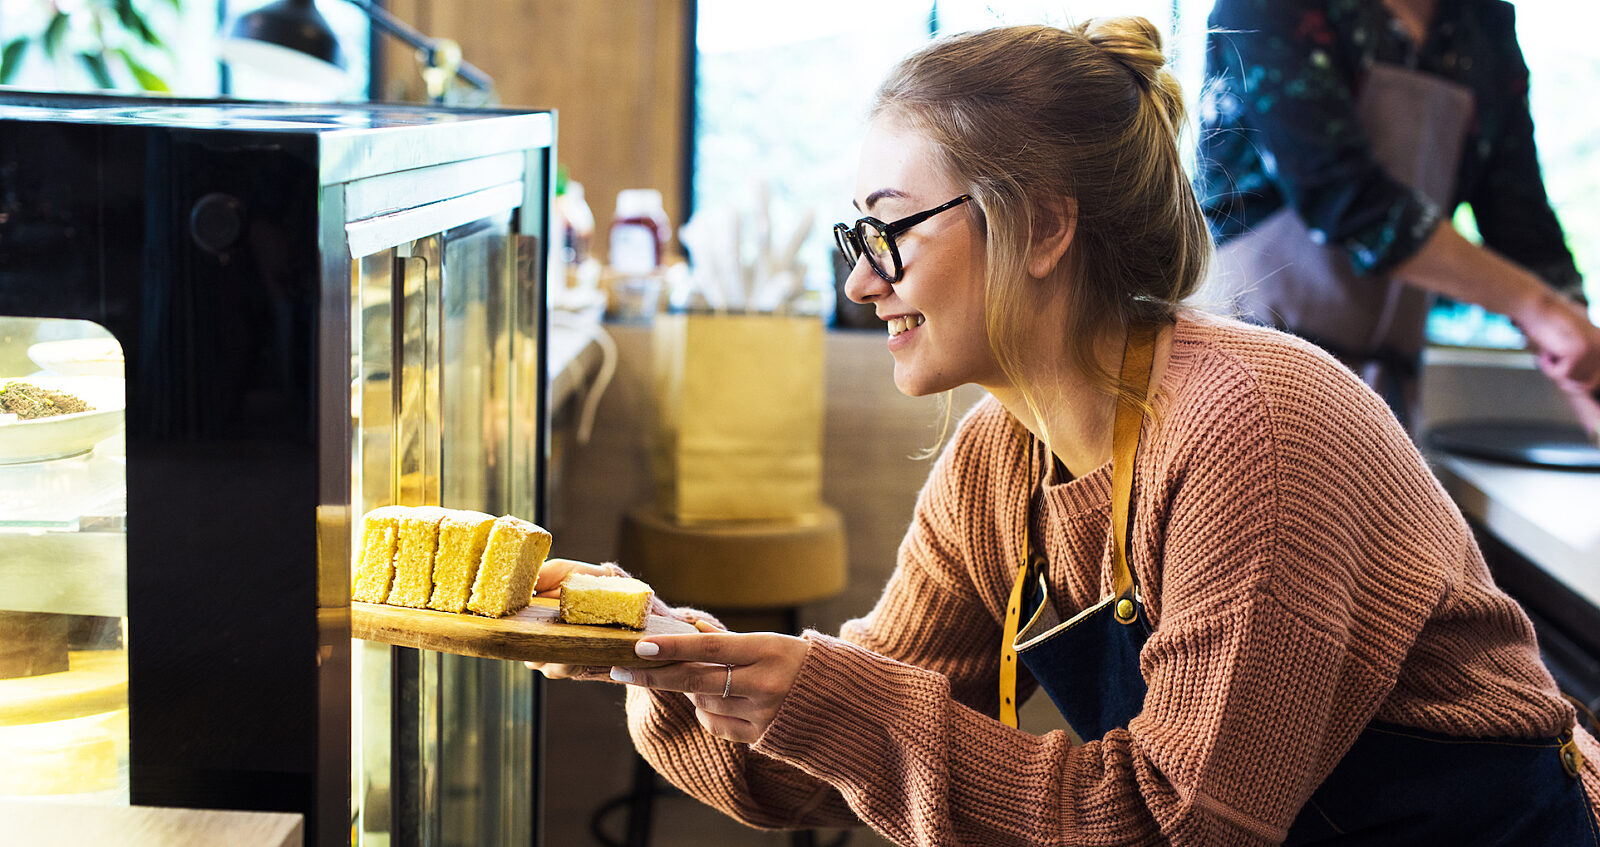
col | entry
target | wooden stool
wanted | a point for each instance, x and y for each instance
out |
(732, 566)
(737, 565)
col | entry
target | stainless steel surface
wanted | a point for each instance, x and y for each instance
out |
(387, 193)
(356, 154)
(374, 234)
(435, 424)
(1548, 516)
(335, 497)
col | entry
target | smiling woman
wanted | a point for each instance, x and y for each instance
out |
(1214, 549)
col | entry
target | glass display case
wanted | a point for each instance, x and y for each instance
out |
(63, 601)
(277, 317)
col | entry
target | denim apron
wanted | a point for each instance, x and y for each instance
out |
(1396, 786)
(1284, 274)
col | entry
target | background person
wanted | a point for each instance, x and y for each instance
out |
(1338, 137)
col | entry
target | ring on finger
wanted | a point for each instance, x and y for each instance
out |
(727, 682)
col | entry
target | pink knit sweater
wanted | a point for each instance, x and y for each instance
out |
(1305, 572)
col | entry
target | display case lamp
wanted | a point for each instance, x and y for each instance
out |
(292, 39)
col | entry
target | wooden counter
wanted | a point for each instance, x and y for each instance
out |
(146, 826)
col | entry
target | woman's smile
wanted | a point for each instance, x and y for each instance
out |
(903, 324)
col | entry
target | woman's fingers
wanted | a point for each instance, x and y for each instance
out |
(578, 672)
(736, 681)
(700, 678)
(713, 645)
(548, 583)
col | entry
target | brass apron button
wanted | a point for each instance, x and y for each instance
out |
(1124, 610)
(1571, 759)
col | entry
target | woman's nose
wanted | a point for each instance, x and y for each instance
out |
(863, 285)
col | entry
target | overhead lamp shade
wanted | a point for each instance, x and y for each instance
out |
(291, 39)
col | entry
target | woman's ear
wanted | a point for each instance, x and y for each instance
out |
(1056, 225)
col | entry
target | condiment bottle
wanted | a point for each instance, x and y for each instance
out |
(639, 232)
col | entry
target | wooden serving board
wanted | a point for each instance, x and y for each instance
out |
(531, 635)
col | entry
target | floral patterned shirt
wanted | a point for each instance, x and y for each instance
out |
(1279, 127)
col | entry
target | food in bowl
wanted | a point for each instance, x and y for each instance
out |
(28, 401)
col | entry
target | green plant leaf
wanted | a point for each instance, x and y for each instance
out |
(99, 71)
(135, 23)
(148, 79)
(54, 32)
(11, 59)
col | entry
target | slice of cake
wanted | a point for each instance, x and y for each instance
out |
(380, 535)
(463, 534)
(413, 558)
(511, 561)
(590, 599)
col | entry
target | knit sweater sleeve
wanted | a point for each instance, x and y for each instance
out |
(1257, 685)
(926, 615)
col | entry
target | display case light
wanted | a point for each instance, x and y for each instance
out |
(291, 39)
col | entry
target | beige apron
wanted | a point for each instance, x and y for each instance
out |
(1282, 275)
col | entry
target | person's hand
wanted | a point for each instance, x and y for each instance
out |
(1587, 409)
(1566, 343)
(548, 584)
(736, 681)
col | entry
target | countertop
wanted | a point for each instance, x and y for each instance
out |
(1551, 517)
(576, 353)
(146, 826)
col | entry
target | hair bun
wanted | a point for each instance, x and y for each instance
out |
(1132, 41)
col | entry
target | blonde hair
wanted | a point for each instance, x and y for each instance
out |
(1025, 116)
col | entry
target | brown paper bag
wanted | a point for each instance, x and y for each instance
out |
(739, 416)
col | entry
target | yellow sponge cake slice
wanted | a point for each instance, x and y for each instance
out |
(590, 599)
(380, 535)
(413, 559)
(511, 561)
(463, 535)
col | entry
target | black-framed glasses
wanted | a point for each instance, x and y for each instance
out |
(877, 240)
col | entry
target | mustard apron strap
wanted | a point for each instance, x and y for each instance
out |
(1008, 648)
(1137, 356)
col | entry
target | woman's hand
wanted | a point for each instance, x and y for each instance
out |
(736, 681)
(548, 584)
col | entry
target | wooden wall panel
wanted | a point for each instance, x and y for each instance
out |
(615, 71)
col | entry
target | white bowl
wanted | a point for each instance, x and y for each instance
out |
(79, 357)
(64, 435)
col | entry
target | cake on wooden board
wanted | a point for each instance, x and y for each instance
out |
(379, 537)
(413, 558)
(463, 534)
(511, 561)
(591, 599)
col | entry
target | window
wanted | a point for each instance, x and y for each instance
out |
(184, 62)
(782, 91)
(1564, 71)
